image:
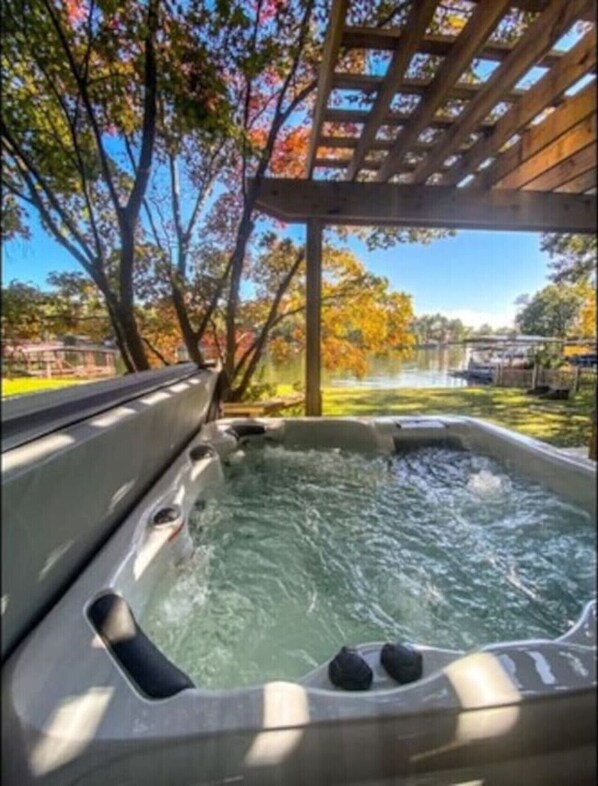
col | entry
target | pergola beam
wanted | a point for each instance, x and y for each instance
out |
(580, 184)
(537, 6)
(343, 163)
(374, 204)
(565, 170)
(367, 166)
(392, 119)
(482, 22)
(575, 64)
(368, 83)
(565, 146)
(542, 142)
(350, 142)
(537, 39)
(418, 20)
(332, 45)
(388, 39)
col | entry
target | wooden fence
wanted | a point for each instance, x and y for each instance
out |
(575, 378)
(79, 362)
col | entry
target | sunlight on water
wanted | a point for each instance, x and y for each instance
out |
(304, 551)
(421, 368)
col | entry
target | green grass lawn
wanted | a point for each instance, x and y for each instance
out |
(561, 423)
(20, 385)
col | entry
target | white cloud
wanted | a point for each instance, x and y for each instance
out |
(474, 318)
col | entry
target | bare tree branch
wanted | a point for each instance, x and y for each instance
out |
(80, 166)
(52, 225)
(27, 164)
(155, 351)
(82, 86)
(148, 133)
(257, 347)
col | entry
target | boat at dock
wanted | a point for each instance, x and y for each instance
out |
(587, 360)
(485, 362)
(492, 353)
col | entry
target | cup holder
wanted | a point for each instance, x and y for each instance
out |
(167, 517)
(200, 452)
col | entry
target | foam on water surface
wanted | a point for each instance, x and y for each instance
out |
(301, 552)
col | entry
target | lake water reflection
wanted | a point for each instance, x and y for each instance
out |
(425, 368)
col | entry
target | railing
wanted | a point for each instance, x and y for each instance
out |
(574, 378)
(62, 361)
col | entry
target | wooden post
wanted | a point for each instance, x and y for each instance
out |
(313, 296)
(534, 376)
(576, 375)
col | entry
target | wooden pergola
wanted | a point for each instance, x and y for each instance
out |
(511, 159)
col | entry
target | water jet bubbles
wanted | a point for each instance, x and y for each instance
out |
(486, 484)
(348, 549)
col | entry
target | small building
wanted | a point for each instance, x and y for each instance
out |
(50, 359)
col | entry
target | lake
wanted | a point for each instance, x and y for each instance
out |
(424, 368)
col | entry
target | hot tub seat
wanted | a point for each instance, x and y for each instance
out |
(150, 671)
(511, 712)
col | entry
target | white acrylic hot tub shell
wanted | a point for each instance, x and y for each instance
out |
(518, 712)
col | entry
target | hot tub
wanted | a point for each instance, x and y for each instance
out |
(89, 698)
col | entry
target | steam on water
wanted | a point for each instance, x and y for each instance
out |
(304, 551)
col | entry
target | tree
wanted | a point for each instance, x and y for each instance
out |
(72, 306)
(457, 330)
(574, 263)
(76, 307)
(272, 67)
(13, 218)
(573, 257)
(437, 327)
(22, 313)
(78, 77)
(587, 326)
(115, 112)
(361, 315)
(553, 311)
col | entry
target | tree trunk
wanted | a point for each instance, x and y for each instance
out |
(99, 279)
(189, 335)
(129, 215)
(238, 393)
(132, 338)
(118, 333)
(125, 306)
(243, 235)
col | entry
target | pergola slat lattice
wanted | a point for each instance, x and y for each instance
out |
(510, 157)
(536, 47)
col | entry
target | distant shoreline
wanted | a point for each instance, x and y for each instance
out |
(439, 344)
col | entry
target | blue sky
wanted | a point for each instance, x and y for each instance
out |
(474, 276)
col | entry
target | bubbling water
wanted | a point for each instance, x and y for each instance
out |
(304, 551)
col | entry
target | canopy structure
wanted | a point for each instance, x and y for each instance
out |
(512, 158)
